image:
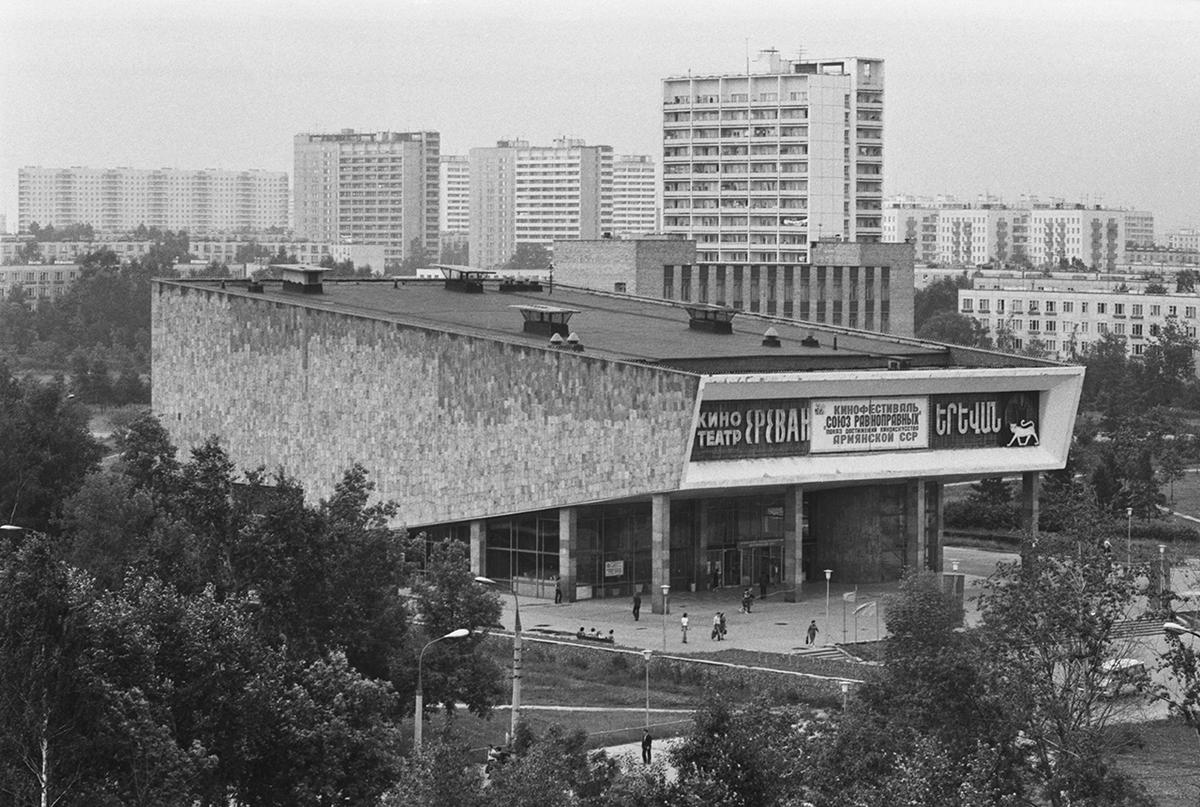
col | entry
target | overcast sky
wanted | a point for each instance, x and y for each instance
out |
(1097, 100)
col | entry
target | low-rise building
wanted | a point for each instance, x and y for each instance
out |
(38, 282)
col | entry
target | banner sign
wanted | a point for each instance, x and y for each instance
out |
(614, 568)
(869, 424)
(744, 429)
(985, 420)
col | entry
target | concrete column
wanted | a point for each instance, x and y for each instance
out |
(478, 555)
(793, 543)
(934, 552)
(660, 548)
(920, 534)
(568, 518)
(1031, 490)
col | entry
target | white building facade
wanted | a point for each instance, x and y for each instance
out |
(756, 166)
(372, 188)
(962, 234)
(119, 199)
(634, 195)
(523, 194)
(454, 189)
(1068, 321)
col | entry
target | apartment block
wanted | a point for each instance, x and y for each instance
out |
(39, 283)
(758, 165)
(1185, 238)
(523, 194)
(634, 195)
(967, 234)
(370, 188)
(120, 199)
(1067, 321)
(454, 188)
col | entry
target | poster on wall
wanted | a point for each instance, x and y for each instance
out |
(985, 420)
(614, 568)
(869, 424)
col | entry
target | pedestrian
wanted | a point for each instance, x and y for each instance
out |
(716, 578)
(721, 635)
(646, 740)
(557, 594)
(637, 605)
(716, 628)
(811, 636)
(683, 626)
(747, 600)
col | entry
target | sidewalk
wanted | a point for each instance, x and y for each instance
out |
(772, 626)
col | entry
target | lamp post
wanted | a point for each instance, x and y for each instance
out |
(516, 663)
(1162, 569)
(828, 574)
(646, 655)
(666, 589)
(419, 714)
(1129, 537)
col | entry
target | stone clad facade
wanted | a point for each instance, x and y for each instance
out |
(451, 427)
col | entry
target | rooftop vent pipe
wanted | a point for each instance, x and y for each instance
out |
(771, 338)
(573, 342)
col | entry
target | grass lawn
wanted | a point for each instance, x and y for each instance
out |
(1167, 763)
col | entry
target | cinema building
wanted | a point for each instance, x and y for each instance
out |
(601, 441)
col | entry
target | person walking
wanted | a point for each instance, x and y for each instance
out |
(716, 628)
(646, 741)
(811, 635)
(721, 631)
(637, 605)
(557, 594)
(747, 600)
(683, 626)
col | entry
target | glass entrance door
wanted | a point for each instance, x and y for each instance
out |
(723, 567)
(761, 564)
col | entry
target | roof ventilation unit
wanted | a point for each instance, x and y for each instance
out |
(464, 278)
(771, 338)
(898, 364)
(711, 318)
(303, 279)
(546, 319)
(810, 341)
(574, 343)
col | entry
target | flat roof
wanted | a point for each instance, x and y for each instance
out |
(621, 327)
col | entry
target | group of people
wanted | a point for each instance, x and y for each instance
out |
(718, 627)
(595, 635)
(718, 622)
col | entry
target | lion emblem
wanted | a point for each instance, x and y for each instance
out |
(1023, 432)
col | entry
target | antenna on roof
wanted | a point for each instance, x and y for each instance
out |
(747, 41)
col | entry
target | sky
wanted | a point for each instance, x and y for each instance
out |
(1095, 101)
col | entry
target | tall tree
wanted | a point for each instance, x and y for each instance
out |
(940, 297)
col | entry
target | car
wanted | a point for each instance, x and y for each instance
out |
(1119, 672)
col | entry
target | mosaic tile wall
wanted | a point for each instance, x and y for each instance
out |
(450, 427)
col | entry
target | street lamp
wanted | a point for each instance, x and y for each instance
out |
(646, 655)
(419, 715)
(516, 664)
(1176, 629)
(1129, 537)
(828, 574)
(665, 591)
(1162, 569)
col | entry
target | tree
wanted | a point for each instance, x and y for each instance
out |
(30, 252)
(415, 259)
(1049, 626)
(955, 328)
(456, 252)
(940, 297)
(527, 258)
(449, 598)
(1185, 281)
(1155, 288)
(46, 449)
(1169, 362)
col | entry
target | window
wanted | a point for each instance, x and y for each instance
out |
(1101, 327)
(1172, 311)
(985, 306)
(1118, 309)
(1000, 306)
(1068, 307)
(1034, 325)
(1154, 330)
(1083, 308)
(1051, 325)
(1119, 328)
(1139, 349)
(1049, 307)
(1135, 311)
(1189, 312)
(1156, 310)
(1101, 308)
(1083, 327)
(1135, 329)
